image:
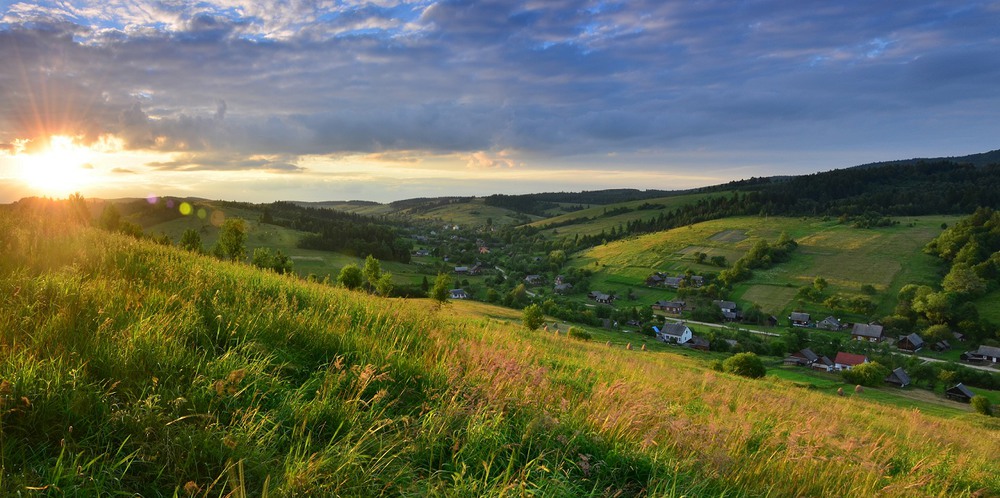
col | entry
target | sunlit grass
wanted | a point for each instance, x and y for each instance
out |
(130, 368)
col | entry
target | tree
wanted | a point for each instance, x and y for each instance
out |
(746, 365)
(982, 405)
(533, 316)
(372, 271)
(820, 284)
(232, 239)
(869, 374)
(351, 277)
(110, 218)
(384, 285)
(963, 280)
(191, 240)
(440, 292)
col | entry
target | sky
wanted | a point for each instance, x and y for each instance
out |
(392, 99)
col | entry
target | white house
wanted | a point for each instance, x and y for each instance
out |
(675, 333)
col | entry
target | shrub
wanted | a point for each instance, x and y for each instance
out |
(981, 404)
(746, 365)
(578, 333)
(866, 374)
(533, 317)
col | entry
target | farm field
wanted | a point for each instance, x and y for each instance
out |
(848, 258)
(594, 219)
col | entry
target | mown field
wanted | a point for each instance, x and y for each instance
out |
(592, 220)
(847, 258)
(131, 368)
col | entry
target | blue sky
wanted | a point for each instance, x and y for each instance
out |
(383, 100)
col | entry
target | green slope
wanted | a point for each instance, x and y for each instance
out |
(132, 368)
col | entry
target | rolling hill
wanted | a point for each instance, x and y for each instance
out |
(131, 367)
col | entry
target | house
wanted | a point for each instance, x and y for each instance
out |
(799, 319)
(654, 280)
(898, 378)
(728, 309)
(476, 270)
(942, 345)
(421, 252)
(673, 282)
(823, 364)
(830, 323)
(725, 305)
(672, 307)
(847, 361)
(802, 358)
(867, 332)
(959, 393)
(910, 343)
(675, 333)
(462, 270)
(601, 297)
(533, 279)
(457, 294)
(562, 288)
(989, 354)
(699, 343)
(697, 280)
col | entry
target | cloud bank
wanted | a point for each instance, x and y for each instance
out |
(231, 85)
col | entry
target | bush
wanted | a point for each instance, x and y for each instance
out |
(746, 365)
(581, 334)
(870, 374)
(981, 404)
(533, 317)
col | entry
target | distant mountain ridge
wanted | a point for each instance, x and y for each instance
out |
(978, 160)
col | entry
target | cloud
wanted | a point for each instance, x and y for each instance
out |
(500, 159)
(122, 171)
(222, 82)
(228, 162)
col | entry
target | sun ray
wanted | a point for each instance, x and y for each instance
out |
(59, 169)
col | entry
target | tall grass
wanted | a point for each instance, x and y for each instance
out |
(129, 368)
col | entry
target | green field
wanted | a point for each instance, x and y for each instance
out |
(130, 368)
(593, 220)
(848, 258)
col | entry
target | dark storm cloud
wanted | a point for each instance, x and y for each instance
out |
(563, 77)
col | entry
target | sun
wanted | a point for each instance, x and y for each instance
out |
(61, 168)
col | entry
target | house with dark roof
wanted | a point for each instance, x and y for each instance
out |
(673, 333)
(533, 279)
(654, 280)
(959, 393)
(989, 354)
(799, 319)
(699, 343)
(562, 288)
(802, 358)
(847, 361)
(867, 332)
(728, 308)
(601, 297)
(823, 364)
(942, 345)
(898, 378)
(457, 294)
(672, 282)
(673, 307)
(910, 343)
(830, 323)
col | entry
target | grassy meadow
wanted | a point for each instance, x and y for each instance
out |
(848, 258)
(592, 220)
(133, 368)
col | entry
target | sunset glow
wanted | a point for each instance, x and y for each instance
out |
(61, 168)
